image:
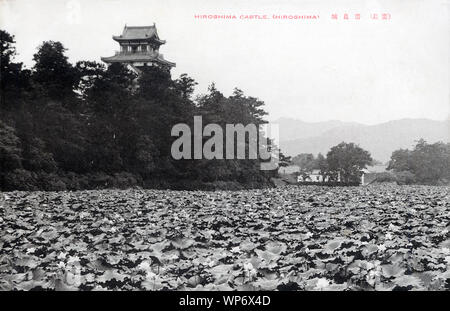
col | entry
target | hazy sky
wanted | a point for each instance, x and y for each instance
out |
(365, 70)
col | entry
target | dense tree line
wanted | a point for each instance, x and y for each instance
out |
(85, 126)
(425, 164)
(344, 162)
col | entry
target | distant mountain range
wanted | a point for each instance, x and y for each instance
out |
(380, 140)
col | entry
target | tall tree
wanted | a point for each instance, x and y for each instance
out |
(111, 127)
(14, 80)
(53, 73)
(321, 163)
(348, 160)
(186, 86)
(89, 73)
(400, 160)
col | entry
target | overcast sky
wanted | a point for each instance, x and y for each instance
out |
(365, 70)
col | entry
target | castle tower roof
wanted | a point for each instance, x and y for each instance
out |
(141, 33)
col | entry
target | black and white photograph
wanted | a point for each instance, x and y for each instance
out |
(225, 146)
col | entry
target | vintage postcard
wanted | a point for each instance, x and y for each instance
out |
(240, 146)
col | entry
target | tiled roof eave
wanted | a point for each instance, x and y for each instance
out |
(148, 39)
(168, 63)
(115, 59)
(128, 59)
(161, 60)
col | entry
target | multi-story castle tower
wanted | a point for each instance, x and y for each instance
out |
(139, 47)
